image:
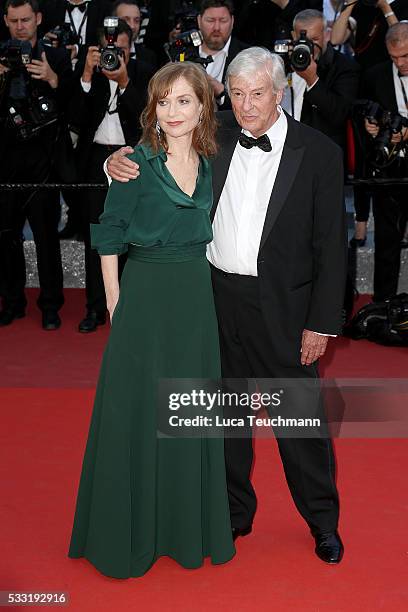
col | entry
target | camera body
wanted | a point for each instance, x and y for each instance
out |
(110, 54)
(15, 54)
(296, 54)
(186, 48)
(27, 111)
(64, 36)
(389, 124)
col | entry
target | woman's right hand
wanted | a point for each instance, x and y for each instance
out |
(111, 305)
(121, 168)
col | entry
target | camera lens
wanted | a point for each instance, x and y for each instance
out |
(110, 60)
(301, 57)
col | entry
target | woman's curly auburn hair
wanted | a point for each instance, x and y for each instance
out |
(204, 141)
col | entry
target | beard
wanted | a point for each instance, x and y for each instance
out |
(215, 44)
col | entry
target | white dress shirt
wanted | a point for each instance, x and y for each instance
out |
(244, 200)
(216, 68)
(77, 18)
(292, 101)
(110, 130)
(402, 109)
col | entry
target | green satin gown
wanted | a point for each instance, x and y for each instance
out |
(141, 496)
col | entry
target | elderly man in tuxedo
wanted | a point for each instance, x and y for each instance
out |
(278, 264)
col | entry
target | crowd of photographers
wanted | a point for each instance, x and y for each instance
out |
(73, 82)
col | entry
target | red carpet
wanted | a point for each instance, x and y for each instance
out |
(45, 408)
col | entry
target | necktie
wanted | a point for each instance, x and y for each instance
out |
(80, 7)
(262, 142)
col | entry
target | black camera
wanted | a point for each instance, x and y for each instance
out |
(110, 55)
(15, 54)
(27, 111)
(64, 36)
(186, 48)
(31, 115)
(389, 124)
(296, 54)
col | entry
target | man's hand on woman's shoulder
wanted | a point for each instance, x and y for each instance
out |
(120, 168)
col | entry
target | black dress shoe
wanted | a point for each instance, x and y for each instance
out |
(71, 231)
(356, 243)
(50, 320)
(238, 532)
(329, 547)
(8, 316)
(91, 321)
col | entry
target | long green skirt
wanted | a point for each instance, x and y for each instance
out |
(141, 496)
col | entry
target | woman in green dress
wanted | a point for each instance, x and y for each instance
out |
(142, 496)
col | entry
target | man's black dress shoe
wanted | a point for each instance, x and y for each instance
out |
(91, 321)
(237, 532)
(329, 547)
(50, 320)
(357, 242)
(8, 316)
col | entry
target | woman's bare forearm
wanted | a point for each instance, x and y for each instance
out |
(109, 264)
(341, 30)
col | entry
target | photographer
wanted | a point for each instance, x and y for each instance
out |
(33, 98)
(321, 95)
(129, 11)
(387, 84)
(83, 17)
(107, 107)
(372, 19)
(216, 21)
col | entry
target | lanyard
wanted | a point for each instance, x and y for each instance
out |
(79, 31)
(114, 100)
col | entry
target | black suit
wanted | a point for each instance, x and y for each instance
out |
(89, 111)
(300, 285)
(326, 107)
(389, 206)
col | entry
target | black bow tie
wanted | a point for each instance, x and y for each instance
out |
(81, 7)
(262, 142)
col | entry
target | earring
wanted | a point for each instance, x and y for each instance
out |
(200, 120)
(158, 129)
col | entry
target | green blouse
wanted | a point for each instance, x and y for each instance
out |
(152, 210)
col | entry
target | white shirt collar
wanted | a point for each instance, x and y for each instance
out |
(277, 131)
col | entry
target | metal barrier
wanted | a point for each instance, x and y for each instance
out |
(371, 182)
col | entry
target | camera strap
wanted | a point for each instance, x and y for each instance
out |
(81, 26)
(113, 101)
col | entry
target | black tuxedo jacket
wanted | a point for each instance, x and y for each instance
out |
(378, 86)
(89, 108)
(302, 257)
(53, 12)
(326, 107)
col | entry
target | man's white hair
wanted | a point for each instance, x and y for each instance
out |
(255, 60)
